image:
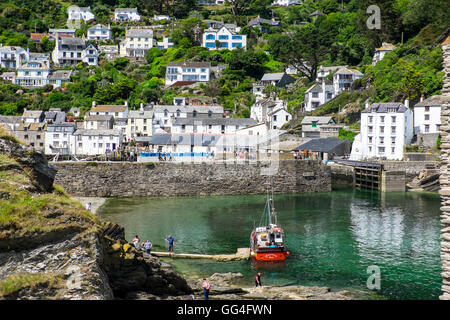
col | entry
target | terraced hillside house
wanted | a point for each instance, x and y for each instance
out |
(79, 13)
(279, 80)
(71, 51)
(32, 74)
(166, 43)
(99, 32)
(58, 138)
(223, 38)
(273, 112)
(136, 43)
(324, 72)
(385, 129)
(187, 71)
(381, 52)
(11, 57)
(317, 95)
(59, 77)
(343, 79)
(263, 24)
(126, 14)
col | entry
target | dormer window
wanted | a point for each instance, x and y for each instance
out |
(178, 113)
(194, 114)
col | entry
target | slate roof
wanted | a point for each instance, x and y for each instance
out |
(108, 108)
(105, 132)
(188, 109)
(216, 121)
(319, 120)
(433, 101)
(272, 76)
(257, 21)
(99, 118)
(137, 114)
(321, 145)
(384, 107)
(190, 64)
(61, 127)
(142, 33)
(182, 139)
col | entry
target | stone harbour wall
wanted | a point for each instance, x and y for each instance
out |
(131, 179)
(444, 178)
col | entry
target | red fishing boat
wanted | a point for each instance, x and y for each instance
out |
(267, 240)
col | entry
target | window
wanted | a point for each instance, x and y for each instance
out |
(382, 119)
(381, 129)
(223, 37)
(194, 114)
(427, 109)
(427, 128)
(370, 119)
(274, 118)
(393, 149)
(315, 94)
(392, 140)
(210, 37)
(203, 69)
(370, 139)
(427, 117)
(209, 114)
(381, 140)
(381, 150)
(314, 124)
(287, 118)
(38, 137)
(393, 119)
(392, 130)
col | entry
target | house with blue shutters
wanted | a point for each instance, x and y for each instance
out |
(223, 38)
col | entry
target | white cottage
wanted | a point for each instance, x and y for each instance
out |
(136, 43)
(187, 71)
(223, 38)
(385, 129)
(58, 138)
(427, 115)
(95, 142)
(99, 32)
(79, 13)
(126, 14)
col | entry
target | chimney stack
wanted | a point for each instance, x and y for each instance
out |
(407, 103)
(142, 106)
(422, 96)
(94, 104)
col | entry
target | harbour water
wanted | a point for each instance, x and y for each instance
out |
(333, 237)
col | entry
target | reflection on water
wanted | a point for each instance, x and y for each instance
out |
(333, 237)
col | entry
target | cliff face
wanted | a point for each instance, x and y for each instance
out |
(52, 248)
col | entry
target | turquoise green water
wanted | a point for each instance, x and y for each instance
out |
(333, 237)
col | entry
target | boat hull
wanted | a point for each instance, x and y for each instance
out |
(269, 256)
